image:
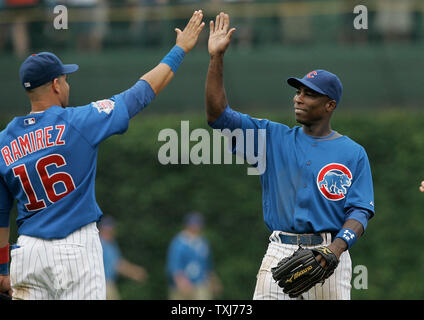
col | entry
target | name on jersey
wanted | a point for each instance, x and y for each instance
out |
(32, 142)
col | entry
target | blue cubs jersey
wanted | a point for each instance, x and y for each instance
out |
(189, 256)
(48, 162)
(309, 184)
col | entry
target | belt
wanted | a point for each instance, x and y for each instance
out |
(305, 239)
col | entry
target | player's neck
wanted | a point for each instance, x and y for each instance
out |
(42, 105)
(317, 130)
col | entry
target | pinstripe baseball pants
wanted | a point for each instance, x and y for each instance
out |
(59, 269)
(336, 287)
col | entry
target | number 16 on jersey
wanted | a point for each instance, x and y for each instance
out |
(48, 181)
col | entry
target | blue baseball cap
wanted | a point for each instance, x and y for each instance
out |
(321, 81)
(41, 68)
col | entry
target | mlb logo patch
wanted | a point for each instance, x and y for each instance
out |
(105, 106)
(29, 121)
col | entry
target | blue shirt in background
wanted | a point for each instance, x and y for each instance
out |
(190, 256)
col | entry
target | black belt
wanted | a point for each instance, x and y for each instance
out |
(305, 239)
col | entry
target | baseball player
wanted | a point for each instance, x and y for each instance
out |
(189, 266)
(317, 188)
(48, 164)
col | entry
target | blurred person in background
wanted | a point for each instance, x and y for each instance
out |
(144, 28)
(189, 263)
(91, 24)
(348, 34)
(115, 264)
(245, 20)
(296, 25)
(394, 19)
(17, 25)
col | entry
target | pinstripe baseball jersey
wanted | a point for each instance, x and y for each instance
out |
(48, 162)
(310, 185)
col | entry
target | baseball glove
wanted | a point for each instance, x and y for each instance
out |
(301, 271)
(5, 296)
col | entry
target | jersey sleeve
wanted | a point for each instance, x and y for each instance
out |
(103, 118)
(360, 198)
(232, 120)
(6, 203)
(360, 215)
(138, 97)
(247, 135)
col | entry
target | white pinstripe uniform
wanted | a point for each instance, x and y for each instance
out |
(60, 269)
(337, 286)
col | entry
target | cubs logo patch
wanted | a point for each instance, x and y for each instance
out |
(333, 181)
(312, 74)
(105, 106)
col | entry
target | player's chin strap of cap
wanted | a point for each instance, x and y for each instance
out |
(4, 260)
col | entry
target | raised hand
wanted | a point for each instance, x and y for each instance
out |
(187, 38)
(219, 35)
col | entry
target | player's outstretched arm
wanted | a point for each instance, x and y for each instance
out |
(151, 83)
(219, 40)
(161, 75)
(131, 270)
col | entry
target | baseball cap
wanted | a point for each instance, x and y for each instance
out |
(321, 81)
(41, 68)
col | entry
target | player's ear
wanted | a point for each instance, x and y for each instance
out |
(56, 85)
(331, 105)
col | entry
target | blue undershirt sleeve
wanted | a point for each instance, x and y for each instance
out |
(360, 215)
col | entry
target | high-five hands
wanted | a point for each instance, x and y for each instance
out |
(219, 34)
(187, 38)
